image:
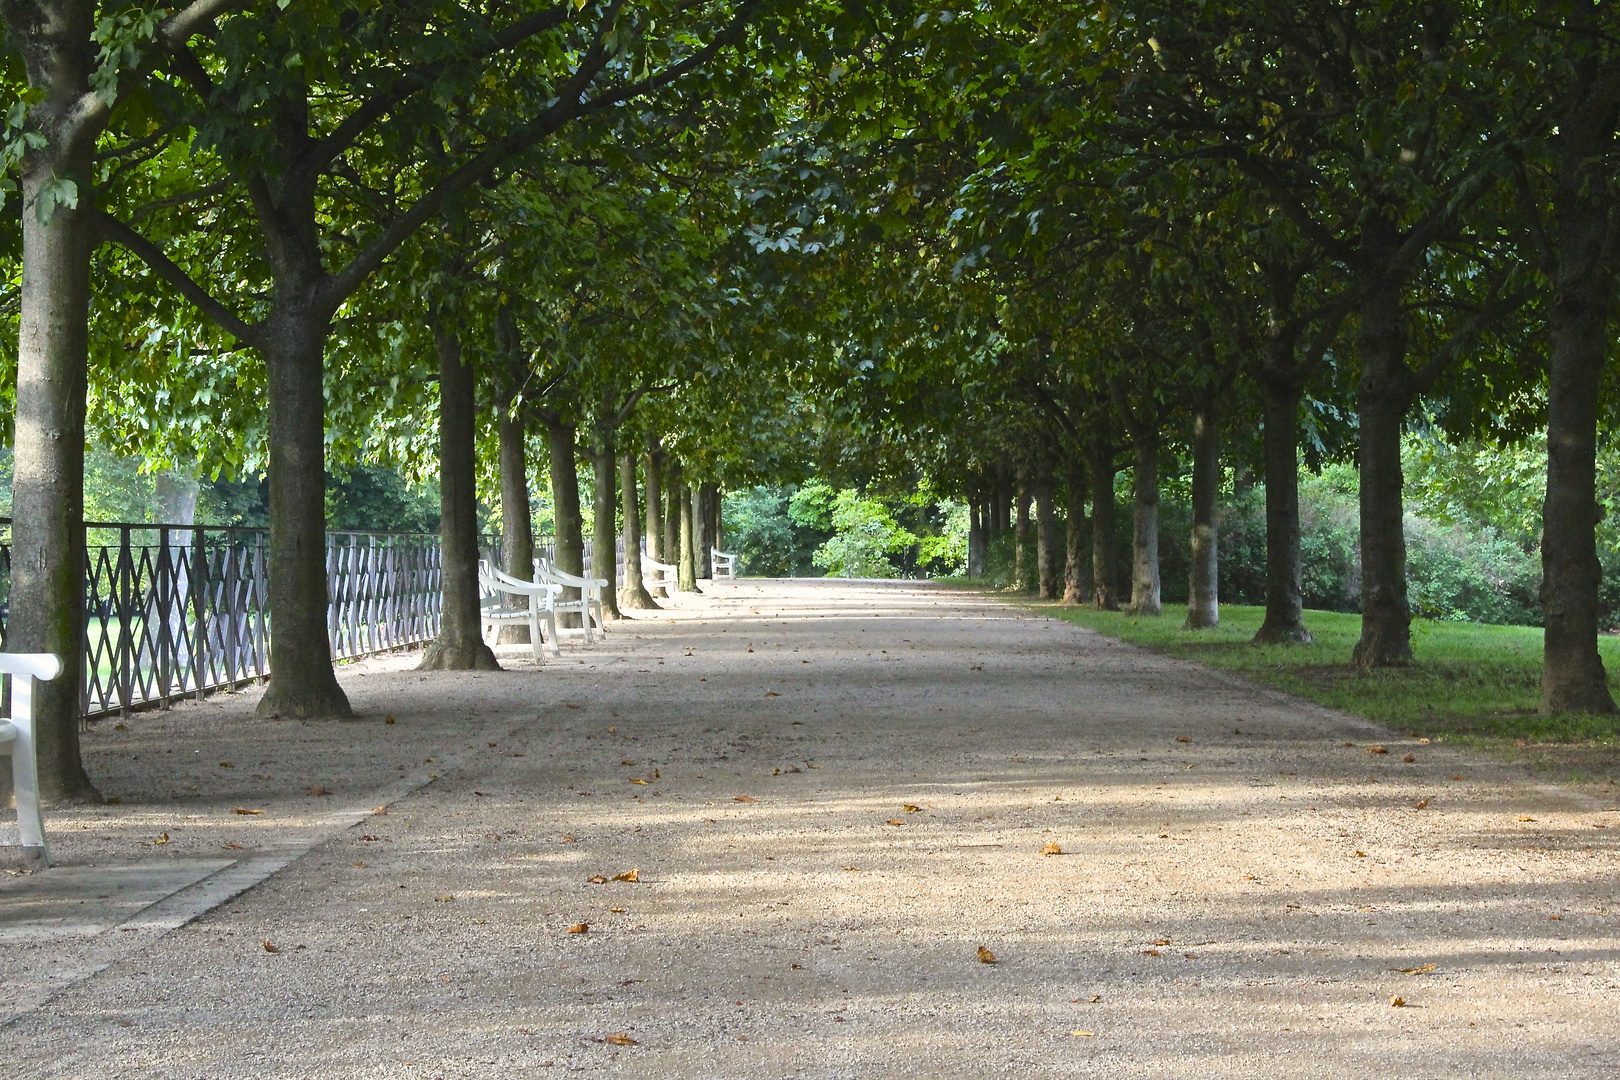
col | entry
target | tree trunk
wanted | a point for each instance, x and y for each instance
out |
(687, 573)
(1103, 573)
(1145, 589)
(975, 552)
(1023, 564)
(1573, 678)
(517, 522)
(1048, 549)
(568, 551)
(47, 560)
(634, 594)
(460, 645)
(672, 516)
(1383, 398)
(302, 683)
(1076, 575)
(654, 463)
(705, 496)
(1285, 605)
(605, 491)
(1203, 591)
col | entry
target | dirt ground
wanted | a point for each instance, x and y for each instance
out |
(833, 796)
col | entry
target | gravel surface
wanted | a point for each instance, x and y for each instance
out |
(833, 796)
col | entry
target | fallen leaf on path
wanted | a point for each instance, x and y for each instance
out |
(1361, 854)
(232, 847)
(986, 956)
(1420, 804)
(1377, 749)
(1409, 758)
(359, 865)
(164, 839)
(596, 879)
(616, 910)
(481, 794)
(379, 809)
(317, 790)
(620, 1039)
(628, 875)
(1396, 1001)
(855, 868)
(635, 780)
(772, 693)
(894, 823)
(1093, 999)
(579, 928)
(1183, 738)
(114, 801)
(1525, 818)
(1051, 849)
(445, 899)
(627, 762)
(1162, 941)
(743, 798)
(910, 809)
(1151, 952)
(1083, 1034)
(1416, 970)
(271, 948)
(389, 719)
(226, 765)
(120, 727)
(245, 810)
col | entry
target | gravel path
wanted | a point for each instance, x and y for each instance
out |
(833, 796)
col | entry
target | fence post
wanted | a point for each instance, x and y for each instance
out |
(165, 608)
(124, 604)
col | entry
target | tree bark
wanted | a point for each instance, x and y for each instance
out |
(1573, 678)
(1076, 570)
(303, 685)
(605, 491)
(1103, 573)
(47, 562)
(1023, 564)
(654, 464)
(706, 495)
(1383, 397)
(672, 515)
(687, 572)
(1285, 604)
(460, 645)
(568, 551)
(975, 553)
(517, 521)
(1048, 550)
(1145, 588)
(1203, 591)
(633, 595)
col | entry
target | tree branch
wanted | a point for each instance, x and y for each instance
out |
(166, 268)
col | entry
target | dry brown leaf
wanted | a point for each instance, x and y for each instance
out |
(1083, 1034)
(986, 956)
(892, 822)
(635, 780)
(1417, 970)
(113, 801)
(1525, 818)
(1456, 778)
(1420, 804)
(1409, 758)
(1361, 854)
(772, 693)
(164, 839)
(579, 928)
(271, 948)
(233, 847)
(596, 879)
(1377, 749)
(620, 1038)
(389, 719)
(120, 727)
(743, 798)
(1162, 941)
(1183, 738)
(379, 809)
(855, 868)
(1151, 952)
(1396, 1001)
(1051, 849)
(910, 809)
(616, 910)
(1093, 999)
(245, 810)
(318, 790)
(226, 765)
(359, 865)
(628, 875)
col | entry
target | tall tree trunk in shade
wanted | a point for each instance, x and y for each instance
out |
(1145, 586)
(47, 562)
(1077, 563)
(605, 527)
(1048, 548)
(1023, 549)
(975, 553)
(1104, 574)
(1285, 603)
(517, 513)
(654, 465)
(688, 568)
(633, 594)
(1203, 587)
(460, 645)
(568, 551)
(706, 496)
(1382, 400)
(672, 515)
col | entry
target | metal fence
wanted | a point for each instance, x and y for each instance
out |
(175, 611)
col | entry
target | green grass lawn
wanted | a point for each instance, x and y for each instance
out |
(1470, 681)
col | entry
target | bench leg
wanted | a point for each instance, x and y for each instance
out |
(25, 769)
(551, 624)
(535, 640)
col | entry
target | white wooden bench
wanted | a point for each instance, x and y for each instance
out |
(660, 575)
(494, 587)
(724, 564)
(17, 741)
(590, 589)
